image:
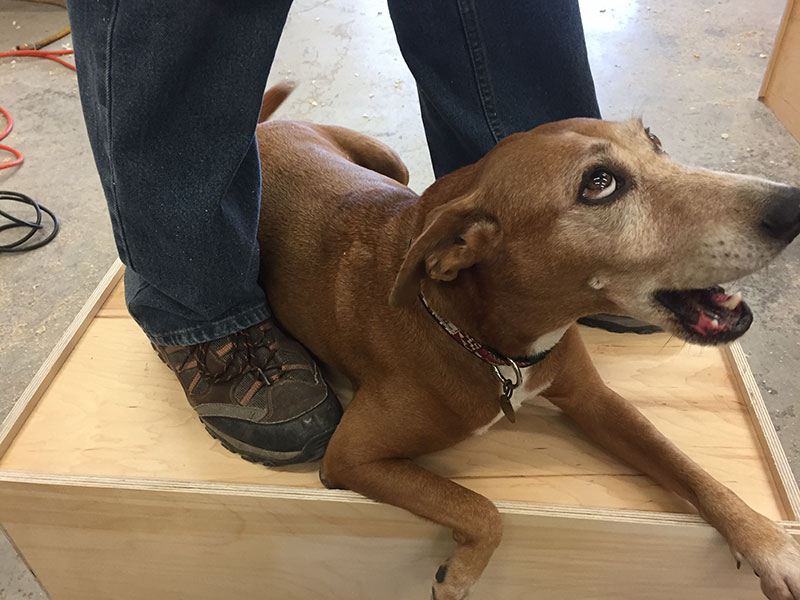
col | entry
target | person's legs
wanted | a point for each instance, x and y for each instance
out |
(171, 94)
(488, 68)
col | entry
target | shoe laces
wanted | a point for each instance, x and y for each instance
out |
(244, 356)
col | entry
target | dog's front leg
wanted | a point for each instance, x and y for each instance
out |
(363, 456)
(617, 425)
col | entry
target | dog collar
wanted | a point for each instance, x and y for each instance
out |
(490, 356)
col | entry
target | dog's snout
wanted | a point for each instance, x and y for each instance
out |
(782, 217)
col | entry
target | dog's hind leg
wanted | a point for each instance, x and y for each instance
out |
(357, 459)
(367, 152)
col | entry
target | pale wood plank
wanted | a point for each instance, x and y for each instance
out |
(93, 543)
(775, 48)
(781, 87)
(114, 410)
(765, 430)
(114, 306)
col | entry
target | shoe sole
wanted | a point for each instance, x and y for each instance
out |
(313, 450)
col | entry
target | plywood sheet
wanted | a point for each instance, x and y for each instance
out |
(95, 543)
(781, 88)
(114, 410)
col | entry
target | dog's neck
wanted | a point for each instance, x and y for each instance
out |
(538, 351)
(466, 305)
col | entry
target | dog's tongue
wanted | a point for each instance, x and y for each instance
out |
(706, 326)
(717, 317)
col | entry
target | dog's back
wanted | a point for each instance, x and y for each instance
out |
(354, 147)
(331, 196)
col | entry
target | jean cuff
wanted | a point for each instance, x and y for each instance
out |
(211, 331)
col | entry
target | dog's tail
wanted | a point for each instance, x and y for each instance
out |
(273, 98)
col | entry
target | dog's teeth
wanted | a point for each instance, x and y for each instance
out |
(732, 302)
(715, 322)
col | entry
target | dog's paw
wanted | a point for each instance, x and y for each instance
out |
(446, 588)
(775, 559)
(443, 592)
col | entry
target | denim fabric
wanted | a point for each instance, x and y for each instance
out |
(171, 93)
(488, 68)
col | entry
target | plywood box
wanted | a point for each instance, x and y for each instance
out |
(111, 489)
(781, 87)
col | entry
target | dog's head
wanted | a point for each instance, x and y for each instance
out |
(585, 216)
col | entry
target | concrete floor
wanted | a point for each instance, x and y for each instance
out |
(691, 68)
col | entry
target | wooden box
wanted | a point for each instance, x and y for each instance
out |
(781, 87)
(111, 489)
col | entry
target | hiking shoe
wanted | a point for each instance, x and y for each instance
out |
(619, 324)
(259, 393)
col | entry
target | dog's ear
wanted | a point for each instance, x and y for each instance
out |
(456, 236)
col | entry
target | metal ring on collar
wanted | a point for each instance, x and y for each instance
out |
(505, 380)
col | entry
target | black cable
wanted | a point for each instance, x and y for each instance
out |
(17, 246)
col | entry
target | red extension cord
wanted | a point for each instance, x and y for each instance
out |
(49, 54)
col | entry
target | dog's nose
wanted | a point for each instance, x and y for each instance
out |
(782, 218)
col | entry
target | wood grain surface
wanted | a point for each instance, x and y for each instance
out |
(781, 87)
(114, 410)
(163, 541)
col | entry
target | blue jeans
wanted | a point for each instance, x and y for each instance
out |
(171, 93)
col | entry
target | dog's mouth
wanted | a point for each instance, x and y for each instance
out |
(709, 315)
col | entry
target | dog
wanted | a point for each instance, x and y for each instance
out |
(572, 218)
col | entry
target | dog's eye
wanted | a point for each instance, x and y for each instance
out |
(599, 187)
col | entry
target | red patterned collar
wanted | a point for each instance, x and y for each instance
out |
(485, 353)
(492, 357)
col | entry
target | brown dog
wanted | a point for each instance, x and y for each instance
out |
(569, 219)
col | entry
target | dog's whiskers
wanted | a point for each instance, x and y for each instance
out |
(669, 339)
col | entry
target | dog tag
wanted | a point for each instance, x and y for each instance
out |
(505, 402)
